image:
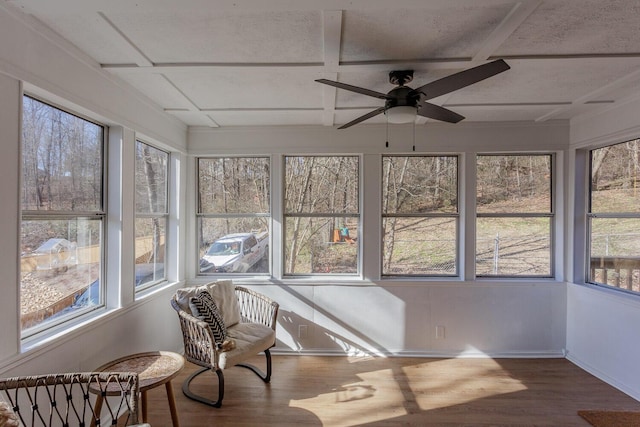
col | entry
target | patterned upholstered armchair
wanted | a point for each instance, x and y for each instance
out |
(244, 325)
(73, 399)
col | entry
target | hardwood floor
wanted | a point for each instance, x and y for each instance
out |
(343, 391)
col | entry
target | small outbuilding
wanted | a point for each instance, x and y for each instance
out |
(56, 254)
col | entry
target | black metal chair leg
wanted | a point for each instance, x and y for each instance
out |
(264, 377)
(191, 395)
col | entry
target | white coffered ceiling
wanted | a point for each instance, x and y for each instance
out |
(254, 62)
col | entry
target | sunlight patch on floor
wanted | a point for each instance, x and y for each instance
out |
(377, 397)
(463, 383)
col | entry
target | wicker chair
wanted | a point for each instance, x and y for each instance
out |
(254, 333)
(73, 399)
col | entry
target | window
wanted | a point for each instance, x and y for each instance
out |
(321, 215)
(151, 214)
(419, 215)
(233, 215)
(514, 215)
(614, 216)
(62, 245)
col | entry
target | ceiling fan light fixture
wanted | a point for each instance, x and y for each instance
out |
(401, 114)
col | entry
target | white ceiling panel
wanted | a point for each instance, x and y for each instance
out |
(577, 27)
(91, 33)
(250, 89)
(397, 33)
(196, 36)
(159, 89)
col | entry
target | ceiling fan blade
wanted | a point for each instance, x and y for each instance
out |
(462, 79)
(363, 118)
(356, 89)
(437, 112)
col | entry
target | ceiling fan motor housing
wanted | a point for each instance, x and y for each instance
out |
(402, 96)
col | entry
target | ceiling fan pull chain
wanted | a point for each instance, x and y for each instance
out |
(414, 136)
(387, 143)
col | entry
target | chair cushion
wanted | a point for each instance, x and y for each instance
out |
(204, 307)
(250, 339)
(224, 294)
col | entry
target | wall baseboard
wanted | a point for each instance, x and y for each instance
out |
(551, 354)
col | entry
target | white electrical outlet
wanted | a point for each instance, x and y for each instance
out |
(302, 331)
(440, 332)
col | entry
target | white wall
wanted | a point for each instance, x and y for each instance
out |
(602, 325)
(64, 76)
(370, 139)
(602, 335)
(399, 317)
(479, 319)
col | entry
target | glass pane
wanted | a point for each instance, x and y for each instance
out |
(514, 184)
(321, 184)
(321, 245)
(419, 246)
(513, 247)
(62, 160)
(233, 185)
(151, 179)
(419, 184)
(234, 245)
(615, 252)
(615, 179)
(60, 269)
(150, 250)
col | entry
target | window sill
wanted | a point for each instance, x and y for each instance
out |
(395, 281)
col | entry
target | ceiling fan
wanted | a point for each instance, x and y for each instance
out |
(402, 103)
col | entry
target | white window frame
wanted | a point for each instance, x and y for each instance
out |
(551, 215)
(163, 216)
(100, 214)
(453, 215)
(590, 216)
(337, 215)
(200, 215)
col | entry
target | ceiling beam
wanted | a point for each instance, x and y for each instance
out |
(355, 66)
(332, 39)
(312, 67)
(193, 108)
(121, 41)
(516, 16)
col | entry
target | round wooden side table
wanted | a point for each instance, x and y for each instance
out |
(154, 369)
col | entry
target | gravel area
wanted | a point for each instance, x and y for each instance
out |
(41, 288)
